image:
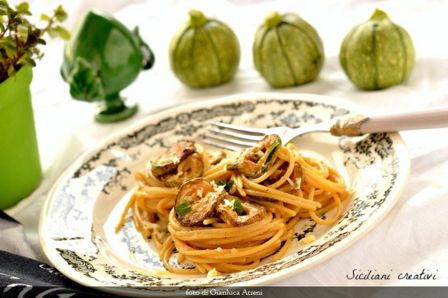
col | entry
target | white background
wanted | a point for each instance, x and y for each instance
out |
(413, 236)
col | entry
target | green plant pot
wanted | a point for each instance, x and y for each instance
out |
(20, 170)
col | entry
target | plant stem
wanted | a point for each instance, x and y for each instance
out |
(50, 23)
(18, 47)
(6, 28)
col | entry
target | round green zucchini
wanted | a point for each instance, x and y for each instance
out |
(377, 54)
(287, 51)
(205, 52)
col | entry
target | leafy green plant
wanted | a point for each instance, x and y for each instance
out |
(19, 38)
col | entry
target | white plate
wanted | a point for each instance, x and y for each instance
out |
(78, 219)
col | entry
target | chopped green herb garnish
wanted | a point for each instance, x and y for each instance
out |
(227, 184)
(237, 207)
(183, 208)
(270, 152)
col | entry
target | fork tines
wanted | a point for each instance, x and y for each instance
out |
(232, 137)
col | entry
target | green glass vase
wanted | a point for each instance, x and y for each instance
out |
(102, 58)
(20, 169)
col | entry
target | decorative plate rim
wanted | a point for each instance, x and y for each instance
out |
(374, 220)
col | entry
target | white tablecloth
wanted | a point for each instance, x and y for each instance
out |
(412, 238)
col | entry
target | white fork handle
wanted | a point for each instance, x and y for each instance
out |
(358, 125)
(431, 118)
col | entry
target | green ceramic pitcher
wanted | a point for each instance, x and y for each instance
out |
(102, 58)
(20, 170)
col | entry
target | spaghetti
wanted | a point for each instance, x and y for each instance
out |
(227, 211)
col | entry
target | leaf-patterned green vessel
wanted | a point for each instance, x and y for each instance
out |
(205, 52)
(287, 51)
(377, 54)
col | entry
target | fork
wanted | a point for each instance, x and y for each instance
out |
(235, 137)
